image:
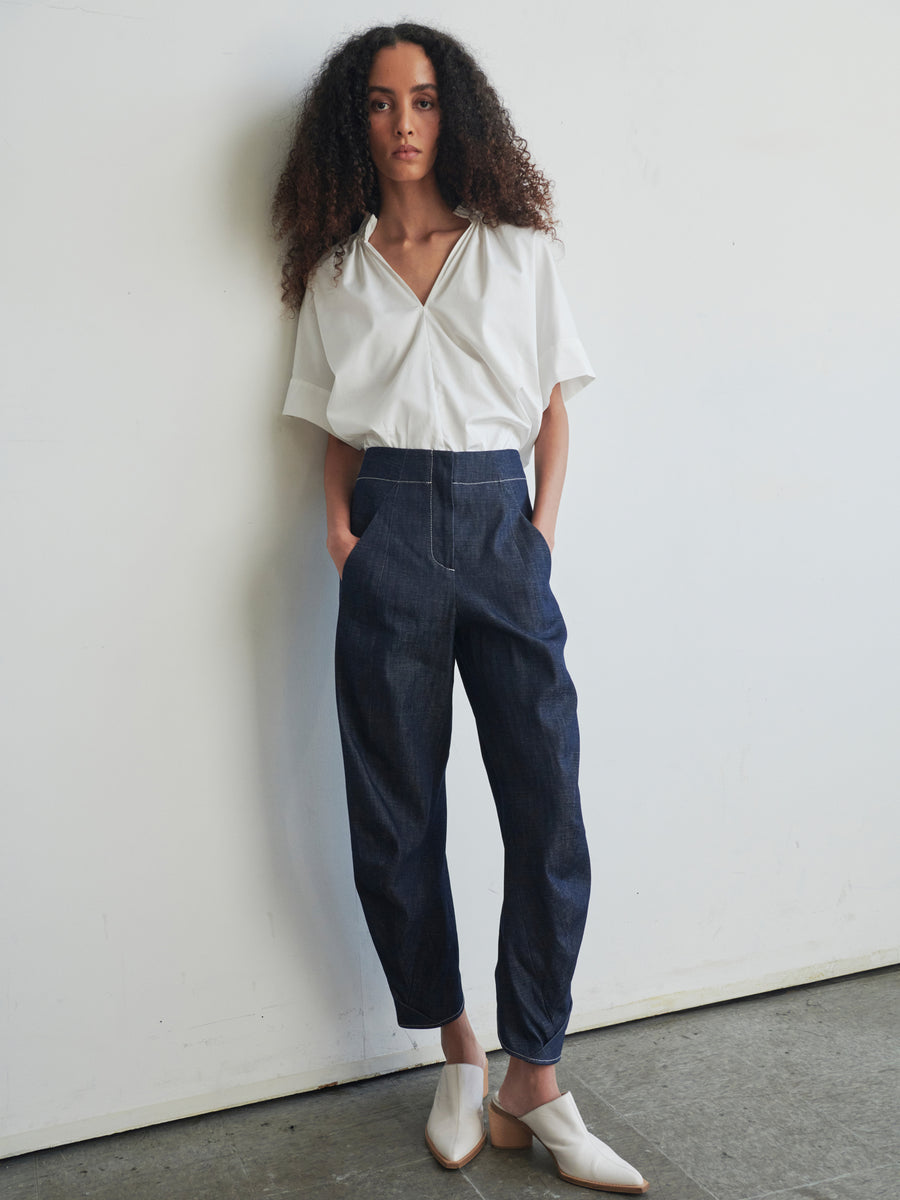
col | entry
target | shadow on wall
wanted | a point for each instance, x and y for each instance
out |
(291, 614)
(293, 611)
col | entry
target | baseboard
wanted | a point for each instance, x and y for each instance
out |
(307, 1081)
(655, 1006)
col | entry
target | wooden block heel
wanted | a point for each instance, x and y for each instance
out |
(580, 1157)
(507, 1131)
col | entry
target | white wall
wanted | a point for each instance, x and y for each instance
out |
(180, 930)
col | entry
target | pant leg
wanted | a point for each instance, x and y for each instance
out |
(394, 681)
(510, 640)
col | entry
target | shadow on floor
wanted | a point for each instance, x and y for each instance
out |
(794, 1094)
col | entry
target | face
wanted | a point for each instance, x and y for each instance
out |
(404, 117)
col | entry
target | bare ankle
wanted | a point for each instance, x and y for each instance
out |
(527, 1086)
(459, 1043)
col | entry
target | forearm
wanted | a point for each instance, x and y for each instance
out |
(342, 465)
(551, 452)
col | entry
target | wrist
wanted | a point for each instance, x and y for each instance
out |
(337, 536)
(338, 525)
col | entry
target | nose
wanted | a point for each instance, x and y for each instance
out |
(404, 121)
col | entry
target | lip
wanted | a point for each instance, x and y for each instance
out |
(406, 152)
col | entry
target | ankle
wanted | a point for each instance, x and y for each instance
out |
(459, 1043)
(527, 1086)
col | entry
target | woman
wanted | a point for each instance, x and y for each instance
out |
(436, 347)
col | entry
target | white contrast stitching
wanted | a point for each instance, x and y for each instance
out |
(437, 562)
(480, 482)
(384, 479)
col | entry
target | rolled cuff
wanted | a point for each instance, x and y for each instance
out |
(307, 400)
(566, 364)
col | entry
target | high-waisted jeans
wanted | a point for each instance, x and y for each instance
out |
(449, 569)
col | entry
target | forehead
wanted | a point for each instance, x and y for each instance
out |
(401, 66)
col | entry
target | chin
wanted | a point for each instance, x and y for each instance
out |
(408, 172)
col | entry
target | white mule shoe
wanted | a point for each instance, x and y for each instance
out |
(455, 1129)
(580, 1157)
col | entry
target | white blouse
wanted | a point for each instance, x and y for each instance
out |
(470, 369)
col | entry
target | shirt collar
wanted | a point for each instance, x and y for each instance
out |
(367, 228)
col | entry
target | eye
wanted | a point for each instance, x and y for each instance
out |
(425, 104)
(379, 105)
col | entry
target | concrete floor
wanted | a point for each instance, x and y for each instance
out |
(794, 1095)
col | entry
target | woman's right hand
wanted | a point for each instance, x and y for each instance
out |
(342, 465)
(339, 544)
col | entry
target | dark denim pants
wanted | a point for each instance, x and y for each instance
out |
(449, 569)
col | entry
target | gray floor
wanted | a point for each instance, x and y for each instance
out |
(795, 1094)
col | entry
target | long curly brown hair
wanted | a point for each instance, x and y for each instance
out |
(329, 181)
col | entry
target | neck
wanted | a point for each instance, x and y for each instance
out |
(410, 211)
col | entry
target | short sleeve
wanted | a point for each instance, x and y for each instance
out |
(561, 356)
(311, 377)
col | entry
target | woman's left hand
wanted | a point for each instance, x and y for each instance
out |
(546, 533)
(551, 449)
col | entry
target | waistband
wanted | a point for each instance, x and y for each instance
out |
(459, 466)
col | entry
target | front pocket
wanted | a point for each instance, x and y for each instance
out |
(369, 497)
(517, 491)
(531, 543)
(536, 535)
(534, 529)
(368, 504)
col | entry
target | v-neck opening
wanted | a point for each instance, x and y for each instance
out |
(369, 228)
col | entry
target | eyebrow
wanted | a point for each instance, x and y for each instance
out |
(417, 87)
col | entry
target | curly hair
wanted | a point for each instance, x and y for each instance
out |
(329, 181)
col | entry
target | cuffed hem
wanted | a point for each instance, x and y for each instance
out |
(408, 1018)
(537, 1062)
(565, 364)
(547, 1055)
(309, 401)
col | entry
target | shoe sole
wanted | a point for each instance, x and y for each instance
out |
(459, 1162)
(635, 1190)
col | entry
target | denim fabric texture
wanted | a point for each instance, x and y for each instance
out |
(450, 572)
